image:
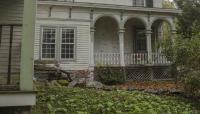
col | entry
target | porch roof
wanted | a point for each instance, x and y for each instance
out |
(110, 6)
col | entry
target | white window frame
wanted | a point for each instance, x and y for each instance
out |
(58, 42)
(139, 3)
(42, 34)
(74, 44)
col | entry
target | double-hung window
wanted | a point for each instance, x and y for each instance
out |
(48, 43)
(67, 43)
(58, 43)
(138, 3)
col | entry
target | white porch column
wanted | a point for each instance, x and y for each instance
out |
(149, 47)
(121, 46)
(92, 30)
(160, 37)
(27, 69)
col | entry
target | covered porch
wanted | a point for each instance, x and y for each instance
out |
(17, 22)
(135, 42)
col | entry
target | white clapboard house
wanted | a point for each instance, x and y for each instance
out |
(84, 34)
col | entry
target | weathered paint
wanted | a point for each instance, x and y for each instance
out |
(84, 18)
(17, 99)
(26, 76)
(10, 45)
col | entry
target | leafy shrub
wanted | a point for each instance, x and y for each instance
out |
(55, 100)
(192, 83)
(110, 76)
(81, 73)
(63, 82)
(185, 56)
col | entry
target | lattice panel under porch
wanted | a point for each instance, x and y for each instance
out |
(162, 73)
(139, 74)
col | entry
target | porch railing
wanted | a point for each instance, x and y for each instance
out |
(159, 58)
(136, 58)
(107, 58)
(130, 59)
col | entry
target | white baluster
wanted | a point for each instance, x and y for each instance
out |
(143, 57)
(113, 58)
(103, 59)
(109, 59)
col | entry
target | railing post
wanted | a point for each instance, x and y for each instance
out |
(121, 44)
(149, 48)
(92, 31)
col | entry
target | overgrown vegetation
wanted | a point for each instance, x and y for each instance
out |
(189, 20)
(63, 100)
(192, 83)
(110, 76)
(185, 56)
(184, 50)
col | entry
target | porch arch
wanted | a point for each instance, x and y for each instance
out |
(135, 43)
(106, 35)
(114, 18)
(161, 28)
(143, 20)
(169, 21)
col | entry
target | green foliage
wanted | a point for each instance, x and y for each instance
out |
(110, 76)
(63, 100)
(63, 82)
(192, 83)
(189, 18)
(184, 53)
(168, 4)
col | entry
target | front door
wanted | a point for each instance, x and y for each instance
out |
(140, 41)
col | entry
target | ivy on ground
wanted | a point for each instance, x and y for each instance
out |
(63, 100)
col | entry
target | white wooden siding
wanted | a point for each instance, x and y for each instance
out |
(117, 2)
(16, 50)
(11, 12)
(157, 3)
(60, 12)
(81, 61)
(42, 11)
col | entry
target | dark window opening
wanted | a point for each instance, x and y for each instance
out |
(149, 3)
(140, 41)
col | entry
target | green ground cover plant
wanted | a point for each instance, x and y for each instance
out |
(63, 100)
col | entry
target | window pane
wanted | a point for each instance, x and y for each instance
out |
(138, 3)
(48, 43)
(67, 46)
